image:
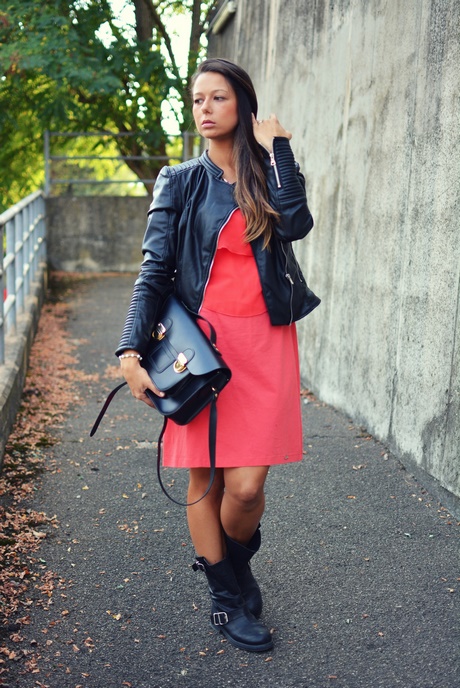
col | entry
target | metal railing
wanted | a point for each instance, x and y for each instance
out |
(22, 236)
(192, 145)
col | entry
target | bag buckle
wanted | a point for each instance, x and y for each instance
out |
(159, 332)
(220, 618)
(180, 364)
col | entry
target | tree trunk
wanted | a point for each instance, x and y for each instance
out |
(144, 21)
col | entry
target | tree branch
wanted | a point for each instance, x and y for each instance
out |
(212, 7)
(159, 25)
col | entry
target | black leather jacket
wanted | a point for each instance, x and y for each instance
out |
(191, 205)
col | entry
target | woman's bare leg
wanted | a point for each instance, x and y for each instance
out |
(204, 518)
(243, 502)
(235, 504)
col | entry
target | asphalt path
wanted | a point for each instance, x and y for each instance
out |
(358, 565)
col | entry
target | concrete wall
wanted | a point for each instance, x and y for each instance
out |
(370, 91)
(96, 233)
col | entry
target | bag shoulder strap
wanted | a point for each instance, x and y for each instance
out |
(212, 455)
(212, 443)
(105, 407)
(212, 333)
(212, 427)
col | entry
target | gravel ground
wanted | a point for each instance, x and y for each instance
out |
(358, 566)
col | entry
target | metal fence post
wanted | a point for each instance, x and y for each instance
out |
(46, 152)
(26, 248)
(10, 275)
(19, 261)
(2, 298)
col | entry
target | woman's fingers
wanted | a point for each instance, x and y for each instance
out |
(139, 380)
(266, 129)
(143, 397)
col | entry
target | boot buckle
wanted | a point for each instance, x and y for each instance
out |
(220, 618)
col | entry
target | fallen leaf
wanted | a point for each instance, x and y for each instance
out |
(38, 534)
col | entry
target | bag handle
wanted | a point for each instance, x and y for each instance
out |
(212, 455)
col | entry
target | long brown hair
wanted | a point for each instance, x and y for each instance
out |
(251, 191)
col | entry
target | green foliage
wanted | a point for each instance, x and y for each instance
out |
(74, 66)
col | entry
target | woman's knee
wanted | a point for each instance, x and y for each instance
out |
(199, 481)
(247, 488)
(248, 495)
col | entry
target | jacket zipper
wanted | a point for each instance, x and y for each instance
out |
(275, 169)
(214, 257)
(291, 282)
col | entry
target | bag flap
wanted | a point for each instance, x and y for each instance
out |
(180, 335)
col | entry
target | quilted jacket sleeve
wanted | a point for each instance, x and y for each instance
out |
(155, 280)
(286, 187)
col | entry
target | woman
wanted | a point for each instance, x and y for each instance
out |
(219, 234)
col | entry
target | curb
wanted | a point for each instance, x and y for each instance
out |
(18, 344)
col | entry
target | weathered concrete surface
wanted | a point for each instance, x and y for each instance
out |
(96, 233)
(17, 346)
(371, 94)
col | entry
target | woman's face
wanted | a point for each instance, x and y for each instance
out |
(215, 106)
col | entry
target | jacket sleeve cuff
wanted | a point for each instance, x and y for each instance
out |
(291, 181)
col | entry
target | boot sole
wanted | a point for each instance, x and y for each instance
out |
(264, 647)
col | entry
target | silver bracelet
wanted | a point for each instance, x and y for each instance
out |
(138, 356)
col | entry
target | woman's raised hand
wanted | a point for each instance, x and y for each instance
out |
(266, 129)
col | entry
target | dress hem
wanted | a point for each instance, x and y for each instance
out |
(246, 464)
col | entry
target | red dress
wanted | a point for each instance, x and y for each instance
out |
(259, 415)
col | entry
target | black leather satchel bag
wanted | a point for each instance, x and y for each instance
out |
(184, 363)
(187, 366)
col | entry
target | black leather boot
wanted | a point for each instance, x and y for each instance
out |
(240, 556)
(229, 614)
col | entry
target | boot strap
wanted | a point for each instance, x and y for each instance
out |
(220, 618)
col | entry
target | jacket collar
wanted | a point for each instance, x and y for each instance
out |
(210, 166)
(214, 169)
